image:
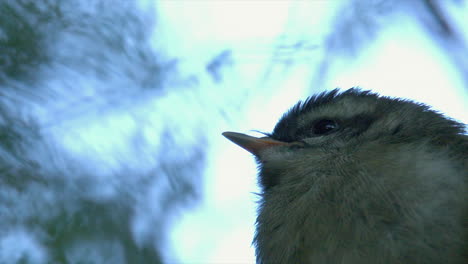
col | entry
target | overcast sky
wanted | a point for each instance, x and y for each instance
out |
(402, 61)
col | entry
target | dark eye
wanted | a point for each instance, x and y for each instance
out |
(324, 126)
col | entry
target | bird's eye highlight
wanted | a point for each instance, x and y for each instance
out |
(324, 126)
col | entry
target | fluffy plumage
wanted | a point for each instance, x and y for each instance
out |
(362, 179)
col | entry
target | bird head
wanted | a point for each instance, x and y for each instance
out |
(333, 124)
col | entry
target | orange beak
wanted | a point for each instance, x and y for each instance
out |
(252, 144)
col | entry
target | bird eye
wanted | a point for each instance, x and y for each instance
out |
(324, 126)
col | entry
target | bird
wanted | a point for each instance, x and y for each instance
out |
(354, 177)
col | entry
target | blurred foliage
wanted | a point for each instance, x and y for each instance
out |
(41, 189)
(357, 24)
(25, 26)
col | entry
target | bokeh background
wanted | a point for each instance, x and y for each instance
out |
(111, 111)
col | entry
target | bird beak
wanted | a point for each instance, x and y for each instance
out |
(252, 144)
